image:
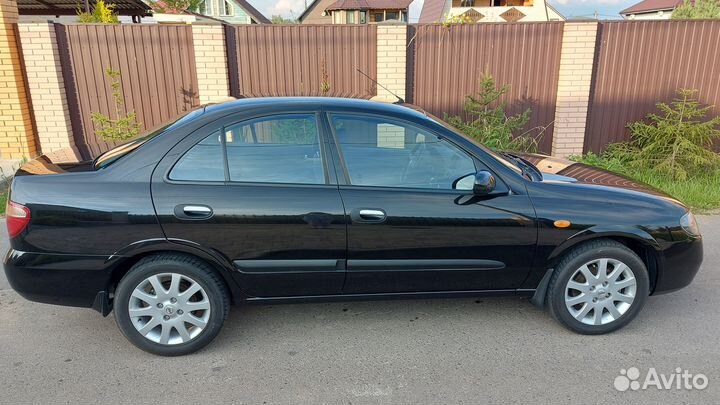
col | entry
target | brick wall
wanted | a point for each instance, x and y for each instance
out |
(391, 60)
(47, 90)
(211, 62)
(573, 96)
(17, 138)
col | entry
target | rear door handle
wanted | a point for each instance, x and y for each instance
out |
(193, 212)
(369, 215)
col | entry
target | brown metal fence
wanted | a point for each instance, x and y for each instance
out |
(291, 60)
(639, 63)
(157, 73)
(445, 64)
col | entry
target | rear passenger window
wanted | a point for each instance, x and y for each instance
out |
(203, 162)
(277, 149)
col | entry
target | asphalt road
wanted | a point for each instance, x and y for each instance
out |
(500, 350)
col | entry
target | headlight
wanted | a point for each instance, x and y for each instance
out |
(689, 224)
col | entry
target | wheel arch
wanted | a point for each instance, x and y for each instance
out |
(125, 259)
(636, 239)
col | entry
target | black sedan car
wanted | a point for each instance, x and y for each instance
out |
(298, 199)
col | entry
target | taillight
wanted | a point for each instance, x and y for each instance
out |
(18, 218)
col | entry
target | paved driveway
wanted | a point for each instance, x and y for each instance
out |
(440, 351)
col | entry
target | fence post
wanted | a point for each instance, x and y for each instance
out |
(47, 90)
(211, 63)
(391, 60)
(573, 96)
(17, 137)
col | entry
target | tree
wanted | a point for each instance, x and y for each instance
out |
(123, 126)
(675, 143)
(101, 14)
(278, 19)
(697, 9)
(173, 6)
(488, 122)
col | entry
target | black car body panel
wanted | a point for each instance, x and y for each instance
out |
(306, 241)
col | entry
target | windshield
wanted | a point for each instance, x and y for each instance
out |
(113, 155)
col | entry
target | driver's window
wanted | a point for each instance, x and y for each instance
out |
(388, 153)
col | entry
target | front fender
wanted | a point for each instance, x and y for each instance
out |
(599, 231)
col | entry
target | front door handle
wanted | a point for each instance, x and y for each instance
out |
(371, 215)
(193, 212)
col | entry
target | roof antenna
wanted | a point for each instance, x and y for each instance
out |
(400, 99)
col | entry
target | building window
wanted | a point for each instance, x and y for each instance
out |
(378, 17)
(205, 7)
(392, 15)
(350, 17)
(363, 17)
(226, 8)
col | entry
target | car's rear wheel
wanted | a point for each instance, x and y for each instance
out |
(171, 304)
(598, 287)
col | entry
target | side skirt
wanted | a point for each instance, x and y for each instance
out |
(390, 296)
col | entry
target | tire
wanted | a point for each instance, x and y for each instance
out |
(194, 299)
(577, 305)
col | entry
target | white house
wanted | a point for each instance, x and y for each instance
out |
(479, 11)
(651, 10)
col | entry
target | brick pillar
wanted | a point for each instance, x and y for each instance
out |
(211, 63)
(47, 91)
(391, 59)
(573, 96)
(17, 139)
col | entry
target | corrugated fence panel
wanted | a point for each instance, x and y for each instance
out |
(642, 62)
(157, 74)
(289, 60)
(447, 63)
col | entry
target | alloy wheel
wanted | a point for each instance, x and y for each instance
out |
(169, 308)
(600, 291)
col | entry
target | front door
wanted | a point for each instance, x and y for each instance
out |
(413, 223)
(258, 191)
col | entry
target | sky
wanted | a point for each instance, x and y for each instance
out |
(607, 9)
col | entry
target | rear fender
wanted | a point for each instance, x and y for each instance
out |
(143, 248)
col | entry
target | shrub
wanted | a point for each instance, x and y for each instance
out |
(675, 143)
(101, 14)
(489, 123)
(120, 128)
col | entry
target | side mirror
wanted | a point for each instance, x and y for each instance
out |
(484, 183)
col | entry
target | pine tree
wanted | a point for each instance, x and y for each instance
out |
(676, 142)
(489, 123)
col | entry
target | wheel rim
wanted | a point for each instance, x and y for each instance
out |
(600, 291)
(169, 308)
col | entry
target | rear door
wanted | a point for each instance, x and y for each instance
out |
(258, 191)
(414, 224)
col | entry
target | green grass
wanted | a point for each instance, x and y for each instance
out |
(700, 192)
(3, 201)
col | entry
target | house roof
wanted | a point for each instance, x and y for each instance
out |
(369, 4)
(432, 11)
(69, 7)
(307, 10)
(647, 6)
(253, 12)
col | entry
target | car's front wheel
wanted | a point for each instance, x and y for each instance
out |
(171, 304)
(598, 287)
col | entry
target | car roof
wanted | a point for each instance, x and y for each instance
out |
(332, 102)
